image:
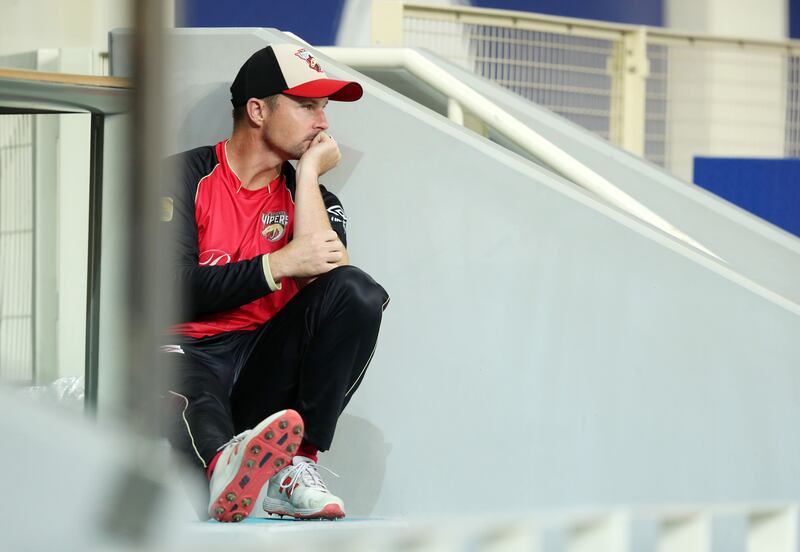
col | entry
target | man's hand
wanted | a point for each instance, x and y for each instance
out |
(307, 256)
(321, 156)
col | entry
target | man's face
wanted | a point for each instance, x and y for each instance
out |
(293, 124)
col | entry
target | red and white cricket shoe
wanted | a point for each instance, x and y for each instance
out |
(249, 460)
(298, 491)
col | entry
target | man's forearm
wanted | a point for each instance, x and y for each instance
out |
(310, 214)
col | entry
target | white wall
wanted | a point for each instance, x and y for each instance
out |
(33, 24)
(767, 19)
(72, 192)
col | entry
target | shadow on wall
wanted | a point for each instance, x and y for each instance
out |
(358, 455)
(211, 104)
(336, 180)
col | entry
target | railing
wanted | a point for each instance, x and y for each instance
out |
(665, 95)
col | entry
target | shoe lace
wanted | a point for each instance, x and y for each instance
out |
(308, 474)
(236, 439)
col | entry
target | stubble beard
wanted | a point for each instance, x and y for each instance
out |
(299, 149)
(290, 151)
(287, 152)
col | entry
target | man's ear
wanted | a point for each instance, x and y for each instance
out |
(256, 111)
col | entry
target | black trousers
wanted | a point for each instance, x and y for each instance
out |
(311, 356)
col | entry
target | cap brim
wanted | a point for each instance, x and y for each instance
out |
(336, 90)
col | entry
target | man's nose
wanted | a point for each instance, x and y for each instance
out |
(322, 121)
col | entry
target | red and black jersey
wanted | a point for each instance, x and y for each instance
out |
(220, 232)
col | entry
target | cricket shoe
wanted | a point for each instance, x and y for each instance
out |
(249, 460)
(298, 491)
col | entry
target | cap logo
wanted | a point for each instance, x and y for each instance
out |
(308, 58)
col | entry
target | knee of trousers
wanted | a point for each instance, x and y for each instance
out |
(361, 292)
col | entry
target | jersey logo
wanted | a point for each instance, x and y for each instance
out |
(274, 225)
(308, 58)
(213, 257)
(336, 214)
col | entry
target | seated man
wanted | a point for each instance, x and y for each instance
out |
(280, 327)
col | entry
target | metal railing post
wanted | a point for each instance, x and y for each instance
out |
(629, 69)
(454, 112)
(92, 349)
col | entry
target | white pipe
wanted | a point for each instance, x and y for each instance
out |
(454, 112)
(505, 123)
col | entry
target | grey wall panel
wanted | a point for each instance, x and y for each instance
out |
(541, 348)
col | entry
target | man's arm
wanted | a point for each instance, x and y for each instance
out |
(205, 289)
(314, 240)
(309, 209)
(336, 215)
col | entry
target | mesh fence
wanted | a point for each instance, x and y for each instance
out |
(16, 249)
(701, 97)
(656, 99)
(793, 107)
(566, 74)
(718, 100)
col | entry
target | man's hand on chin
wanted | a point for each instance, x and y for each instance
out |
(321, 156)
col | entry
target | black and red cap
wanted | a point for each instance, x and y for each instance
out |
(288, 69)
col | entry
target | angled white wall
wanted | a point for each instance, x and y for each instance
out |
(757, 250)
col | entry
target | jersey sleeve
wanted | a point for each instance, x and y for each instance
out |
(335, 213)
(205, 289)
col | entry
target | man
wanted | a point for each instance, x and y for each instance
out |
(280, 327)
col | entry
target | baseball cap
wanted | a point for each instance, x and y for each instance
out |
(288, 69)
